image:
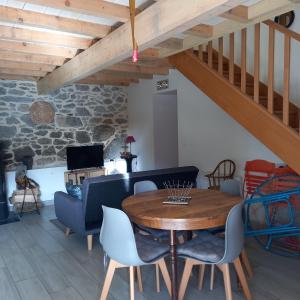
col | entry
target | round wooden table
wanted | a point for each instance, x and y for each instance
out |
(206, 209)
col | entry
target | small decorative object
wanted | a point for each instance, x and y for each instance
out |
(178, 193)
(162, 84)
(286, 19)
(130, 139)
(41, 112)
(134, 43)
(74, 190)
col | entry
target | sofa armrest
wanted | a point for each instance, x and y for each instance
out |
(69, 211)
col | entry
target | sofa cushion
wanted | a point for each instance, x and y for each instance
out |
(74, 190)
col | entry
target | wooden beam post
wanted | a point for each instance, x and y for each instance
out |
(89, 7)
(39, 20)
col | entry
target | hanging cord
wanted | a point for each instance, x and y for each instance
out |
(134, 43)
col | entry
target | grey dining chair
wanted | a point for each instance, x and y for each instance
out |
(211, 249)
(148, 186)
(125, 249)
(232, 187)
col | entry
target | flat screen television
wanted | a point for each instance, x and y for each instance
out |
(82, 157)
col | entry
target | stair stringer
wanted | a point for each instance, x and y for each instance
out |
(268, 129)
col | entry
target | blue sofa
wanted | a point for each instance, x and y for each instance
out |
(85, 216)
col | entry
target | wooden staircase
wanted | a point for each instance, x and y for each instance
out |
(269, 116)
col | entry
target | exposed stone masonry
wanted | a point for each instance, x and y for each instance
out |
(84, 115)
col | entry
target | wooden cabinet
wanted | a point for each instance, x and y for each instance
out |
(77, 176)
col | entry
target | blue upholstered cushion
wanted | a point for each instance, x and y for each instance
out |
(205, 247)
(74, 190)
(149, 249)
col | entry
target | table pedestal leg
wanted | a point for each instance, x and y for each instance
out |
(173, 264)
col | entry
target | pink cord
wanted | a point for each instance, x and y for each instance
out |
(135, 56)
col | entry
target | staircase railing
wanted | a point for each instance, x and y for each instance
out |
(251, 84)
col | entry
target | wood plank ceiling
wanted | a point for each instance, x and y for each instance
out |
(56, 42)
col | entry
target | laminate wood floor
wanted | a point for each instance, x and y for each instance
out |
(37, 262)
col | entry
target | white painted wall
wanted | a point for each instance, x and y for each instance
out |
(206, 134)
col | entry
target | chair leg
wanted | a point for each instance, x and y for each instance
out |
(90, 242)
(201, 276)
(226, 275)
(212, 277)
(246, 262)
(185, 277)
(131, 276)
(165, 274)
(139, 279)
(242, 278)
(108, 278)
(67, 231)
(157, 278)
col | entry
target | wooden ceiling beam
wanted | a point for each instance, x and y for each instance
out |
(149, 53)
(153, 63)
(123, 75)
(171, 43)
(118, 82)
(31, 58)
(17, 77)
(26, 66)
(19, 72)
(99, 8)
(174, 16)
(228, 26)
(32, 48)
(138, 69)
(201, 30)
(39, 20)
(244, 14)
(239, 14)
(28, 35)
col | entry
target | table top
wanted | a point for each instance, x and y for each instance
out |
(206, 209)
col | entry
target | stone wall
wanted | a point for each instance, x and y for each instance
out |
(84, 115)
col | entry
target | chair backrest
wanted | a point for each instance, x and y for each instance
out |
(234, 234)
(231, 186)
(223, 171)
(256, 172)
(144, 186)
(117, 237)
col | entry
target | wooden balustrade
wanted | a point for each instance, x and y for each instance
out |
(220, 56)
(271, 70)
(210, 54)
(243, 59)
(286, 79)
(231, 58)
(256, 62)
(263, 94)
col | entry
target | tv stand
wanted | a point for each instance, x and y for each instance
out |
(77, 176)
